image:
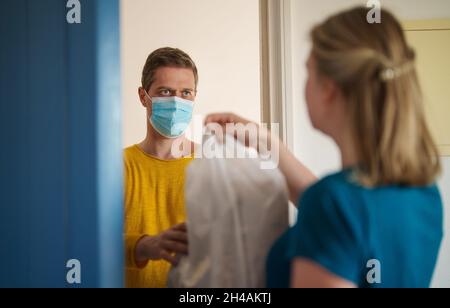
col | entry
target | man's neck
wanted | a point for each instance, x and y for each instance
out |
(163, 148)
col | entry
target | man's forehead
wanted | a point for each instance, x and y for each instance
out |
(175, 76)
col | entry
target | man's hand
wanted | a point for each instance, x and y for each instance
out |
(163, 246)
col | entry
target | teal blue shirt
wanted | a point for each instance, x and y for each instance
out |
(347, 229)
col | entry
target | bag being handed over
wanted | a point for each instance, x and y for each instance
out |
(236, 210)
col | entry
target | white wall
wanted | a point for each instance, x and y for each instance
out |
(442, 274)
(222, 37)
(316, 150)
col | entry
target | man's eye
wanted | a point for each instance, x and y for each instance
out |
(164, 92)
(187, 93)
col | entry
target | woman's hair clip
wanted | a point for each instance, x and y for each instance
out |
(392, 73)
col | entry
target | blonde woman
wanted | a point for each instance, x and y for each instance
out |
(378, 222)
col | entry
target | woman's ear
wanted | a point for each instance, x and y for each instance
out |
(330, 91)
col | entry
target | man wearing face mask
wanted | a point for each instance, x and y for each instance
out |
(154, 174)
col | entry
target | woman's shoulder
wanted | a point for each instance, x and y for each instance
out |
(336, 193)
(335, 203)
(326, 190)
(332, 183)
(343, 191)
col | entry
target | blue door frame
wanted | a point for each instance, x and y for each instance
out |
(61, 155)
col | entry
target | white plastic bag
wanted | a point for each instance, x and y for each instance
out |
(236, 210)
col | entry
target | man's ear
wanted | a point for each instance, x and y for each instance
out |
(142, 97)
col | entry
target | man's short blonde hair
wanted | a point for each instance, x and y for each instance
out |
(166, 57)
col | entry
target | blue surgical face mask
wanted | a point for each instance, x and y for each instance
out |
(171, 116)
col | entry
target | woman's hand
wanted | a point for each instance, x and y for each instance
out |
(245, 131)
(163, 246)
(298, 177)
(225, 118)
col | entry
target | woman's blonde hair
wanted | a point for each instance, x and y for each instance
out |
(374, 68)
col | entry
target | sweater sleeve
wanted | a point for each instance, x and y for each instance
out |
(131, 241)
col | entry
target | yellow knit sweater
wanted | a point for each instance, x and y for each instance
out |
(154, 202)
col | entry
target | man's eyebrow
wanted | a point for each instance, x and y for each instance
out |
(165, 88)
(171, 89)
